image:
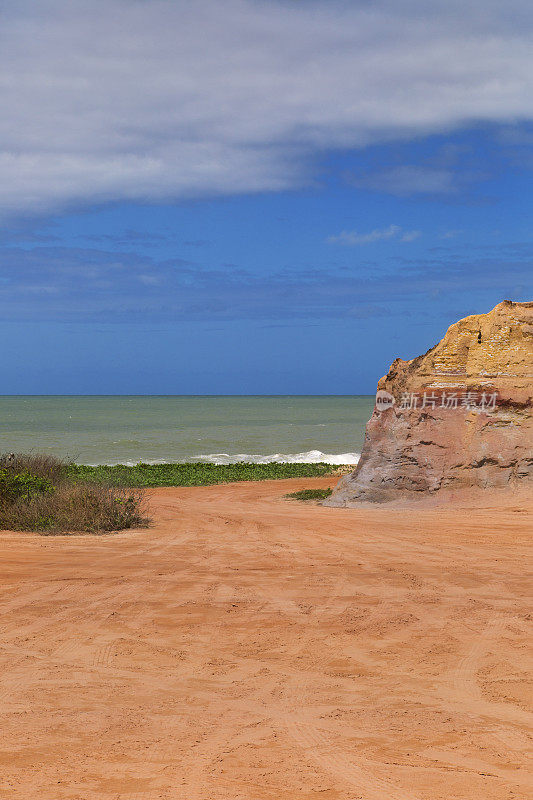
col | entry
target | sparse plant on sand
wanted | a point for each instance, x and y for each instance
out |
(310, 494)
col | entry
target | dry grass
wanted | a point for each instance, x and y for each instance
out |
(37, 495)
(42, 466)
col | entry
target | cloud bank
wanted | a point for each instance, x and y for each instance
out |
(166, 99)
(97, 285)
(377, 235)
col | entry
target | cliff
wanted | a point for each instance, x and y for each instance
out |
(459, 416)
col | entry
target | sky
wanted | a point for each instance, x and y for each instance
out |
(256, 196)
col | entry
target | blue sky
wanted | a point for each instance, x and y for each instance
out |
(252, 197)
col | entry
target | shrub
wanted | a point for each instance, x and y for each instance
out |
(24, 485)
(43, 466)
(36, 494)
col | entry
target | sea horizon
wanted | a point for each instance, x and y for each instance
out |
(219, 429)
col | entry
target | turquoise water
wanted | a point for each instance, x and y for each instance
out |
(128, 429)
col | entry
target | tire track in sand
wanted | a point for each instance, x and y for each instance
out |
(305, 731)
(302, 728)
(466, 686)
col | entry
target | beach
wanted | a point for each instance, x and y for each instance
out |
(249, 647)
(266, 410)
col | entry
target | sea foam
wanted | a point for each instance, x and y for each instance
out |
(309, 457)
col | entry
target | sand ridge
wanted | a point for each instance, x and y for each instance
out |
(247, 647)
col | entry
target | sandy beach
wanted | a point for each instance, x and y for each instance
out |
(247, 647)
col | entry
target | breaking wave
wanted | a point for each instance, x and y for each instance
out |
(310, 457)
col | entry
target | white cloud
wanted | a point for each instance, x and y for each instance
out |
(377, 235)
(159, 99)
(410, 236)
(452, 234)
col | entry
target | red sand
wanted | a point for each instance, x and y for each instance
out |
(251, 648)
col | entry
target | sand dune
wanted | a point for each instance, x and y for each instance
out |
(251, 648)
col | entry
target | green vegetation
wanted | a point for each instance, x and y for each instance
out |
(41, 493)
(22, 485)
(195, 474)
(37, 494)
(310, 494)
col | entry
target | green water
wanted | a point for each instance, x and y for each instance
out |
(128, 429)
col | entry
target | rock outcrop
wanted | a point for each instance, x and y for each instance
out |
(459, 416)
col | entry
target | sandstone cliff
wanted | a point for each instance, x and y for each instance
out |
(461, 415)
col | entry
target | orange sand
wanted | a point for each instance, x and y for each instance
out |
(252, 648)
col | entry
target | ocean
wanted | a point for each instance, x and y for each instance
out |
(157, 429)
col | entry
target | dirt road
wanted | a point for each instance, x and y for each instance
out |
(252, 648)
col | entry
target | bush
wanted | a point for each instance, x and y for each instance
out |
(48, 467)
(23, 485)
(36, 494)
(310, 494)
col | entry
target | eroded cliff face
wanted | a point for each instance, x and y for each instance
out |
(462, 414)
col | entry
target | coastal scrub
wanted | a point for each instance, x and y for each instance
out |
(37, 494)
(194, 474)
